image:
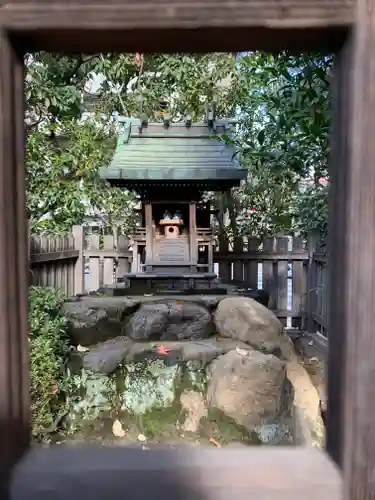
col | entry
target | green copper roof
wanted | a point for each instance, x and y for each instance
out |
(177, 154)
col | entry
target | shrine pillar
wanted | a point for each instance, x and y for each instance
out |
(193, 240)
(149, 236)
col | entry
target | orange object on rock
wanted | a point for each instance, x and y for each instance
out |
(162, 349)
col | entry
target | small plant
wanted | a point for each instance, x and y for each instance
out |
(49, 346)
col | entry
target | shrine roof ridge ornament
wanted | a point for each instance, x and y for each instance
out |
(169, 128)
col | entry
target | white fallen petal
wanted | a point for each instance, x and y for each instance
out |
(80, 348)
(141, 437)
(242, 352)
(117, 429)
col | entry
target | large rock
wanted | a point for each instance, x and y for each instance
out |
(95, 319)
(170, 320)
(105, 358)
(114, 305)
(246, 319)
(249, 387)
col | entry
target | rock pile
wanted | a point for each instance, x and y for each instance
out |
(193, 355)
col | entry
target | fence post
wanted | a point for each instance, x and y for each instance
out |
(225, 266)
(79, 267)
(282, 245)
(238, 267)
(299, 283)
(311, 285)
(109, 262)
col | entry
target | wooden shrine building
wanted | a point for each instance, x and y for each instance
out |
(170, 166)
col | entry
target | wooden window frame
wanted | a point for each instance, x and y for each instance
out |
(346, 27)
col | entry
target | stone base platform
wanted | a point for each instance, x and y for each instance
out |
(141, 283)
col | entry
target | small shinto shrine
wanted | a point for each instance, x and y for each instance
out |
(170, 166)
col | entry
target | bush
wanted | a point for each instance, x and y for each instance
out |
(49, 346)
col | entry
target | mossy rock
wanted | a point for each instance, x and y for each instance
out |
(225, 430)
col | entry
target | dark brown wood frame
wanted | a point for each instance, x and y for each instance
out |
(344, 26)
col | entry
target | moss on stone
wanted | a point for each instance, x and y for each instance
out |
(225, 430)
(158, 423)
(145, 396)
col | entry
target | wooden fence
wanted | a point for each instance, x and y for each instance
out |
(295, 276)
(317, 300)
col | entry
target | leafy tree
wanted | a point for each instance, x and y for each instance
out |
(64, 152)
(283, 140)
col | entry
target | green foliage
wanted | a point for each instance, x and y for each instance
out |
(281, 102)
(311, 211)
(63, 178)
(49, 346)
(65, 152)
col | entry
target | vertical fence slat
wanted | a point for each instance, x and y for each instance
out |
(123, 264)
(66, 267)
(44, 247)
(77, 271)
(225, 266)
(268, 274)
(298, 281)
(94, 264)
(319, 285)
(35, 243)
(251, 269)
(51, 269)
(109, 262)
(238, 271)
(282, 276)
(59, 265)
(324, 297)
(311, 299)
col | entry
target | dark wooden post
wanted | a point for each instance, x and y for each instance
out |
(14, 384)
(339, 227)
(149, 236)
(351, 405)
(193, 240)
(311, 285)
